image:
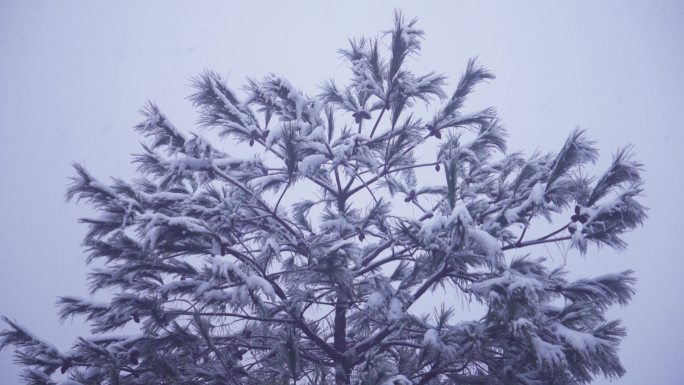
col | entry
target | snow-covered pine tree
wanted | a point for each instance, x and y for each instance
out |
(218, 277)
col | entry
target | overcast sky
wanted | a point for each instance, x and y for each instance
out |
(74, 74)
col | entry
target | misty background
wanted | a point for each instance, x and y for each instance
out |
(73, 75)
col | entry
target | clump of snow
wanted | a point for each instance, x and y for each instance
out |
(222, 268)
(431, 337)
(311, 163)
(354, 147)
(398, 379)
(154, 222)
(255, 282)
(219, 296)
(92, 372)
(260, 183)
(318, 134)
(461, 213)
(528, 286)
(519, 325)
(189, 163)
(548, 353)
(163, 196)
(433, 225)
(375, 300)
(339, 245)
(482, 287)
(536, 198)
(487, 244)
(581, 342)
(69, 382)
(273, 136)
(271, 244)
(216, 87)
(337, 224)
(176, 286)
(537, 194)
(577, 237)
(228, 162)
(396, 309)
(512, 282)
(102, 187)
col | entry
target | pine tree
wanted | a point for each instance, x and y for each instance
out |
(225, 279)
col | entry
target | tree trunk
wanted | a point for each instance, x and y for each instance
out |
(342, 375)
(342, 369)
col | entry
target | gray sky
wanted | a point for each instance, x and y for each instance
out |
(74, 74)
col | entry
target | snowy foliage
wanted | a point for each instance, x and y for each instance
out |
(224, 278)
